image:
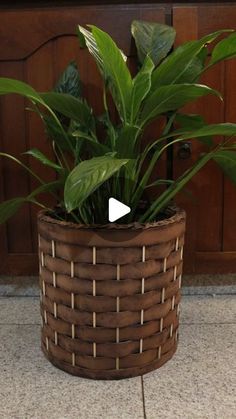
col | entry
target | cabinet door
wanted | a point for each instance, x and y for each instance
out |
(211, 224)
(35, 46)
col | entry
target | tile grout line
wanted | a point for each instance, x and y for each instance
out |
(20, 324)
(143, 398)
(207, 323)
(19, 296)
(208, 294)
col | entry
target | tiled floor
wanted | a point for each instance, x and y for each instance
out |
(199, 382)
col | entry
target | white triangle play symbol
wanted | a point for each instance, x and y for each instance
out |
(116, 209)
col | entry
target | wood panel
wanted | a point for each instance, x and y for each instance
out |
(210, 216)
(33, 28)
(35, 46)
(229, 205)
(15, 181)
(39, 73)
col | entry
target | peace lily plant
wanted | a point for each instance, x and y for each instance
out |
(96, 156)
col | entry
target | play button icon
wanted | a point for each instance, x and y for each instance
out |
(116, 209)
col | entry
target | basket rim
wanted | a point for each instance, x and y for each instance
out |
(176, 215)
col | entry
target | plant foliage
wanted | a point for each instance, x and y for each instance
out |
(91, 166)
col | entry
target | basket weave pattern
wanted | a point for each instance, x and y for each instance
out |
(110, 312)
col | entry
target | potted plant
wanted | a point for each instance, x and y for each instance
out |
(110, 292)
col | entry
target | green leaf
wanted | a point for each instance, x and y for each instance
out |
(82, 42)
(97, 148)
(180, 65)
(111, 131)
(191, 122)
(69, 81)
(160, 182)
(9, 208)
(193, 71)
(8, 86)
(69, 106)
(126, 141)
(116, 71)
(225, 49)
(153, 39)
(227, 161)
(87, 39)
(54, 133)
(172, 97)
(37, 154)
(87, 176)
(225, 129)
(141, 87)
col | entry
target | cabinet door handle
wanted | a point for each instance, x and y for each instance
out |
(184, 150)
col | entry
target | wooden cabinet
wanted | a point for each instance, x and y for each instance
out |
(36, 44)
(211, 233)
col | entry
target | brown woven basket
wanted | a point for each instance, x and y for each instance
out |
(110, 296)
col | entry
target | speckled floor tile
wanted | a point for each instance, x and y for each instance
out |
(19, 286)
(30, 387)
(209, 290)
(19, 310)
(208, 309)
(209, 279)
(199, 382)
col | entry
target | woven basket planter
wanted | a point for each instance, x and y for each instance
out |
(110, 296)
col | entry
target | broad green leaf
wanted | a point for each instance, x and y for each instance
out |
(79, 32)
(54, 133)
(54, 129)
(126, 141)
(225, 49)
(141, 87)
(69, 82)
(117, 73)
(180, 65)
(9, 208)
(86, 39)
(193, 71)
(172, 97)
(69, 106)
(37, 154)
(227, 161)
(97, 148)
(225, 129)
(111, 131)
(153, 39)
(8, 86)
(87, 176)
(189, 122)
